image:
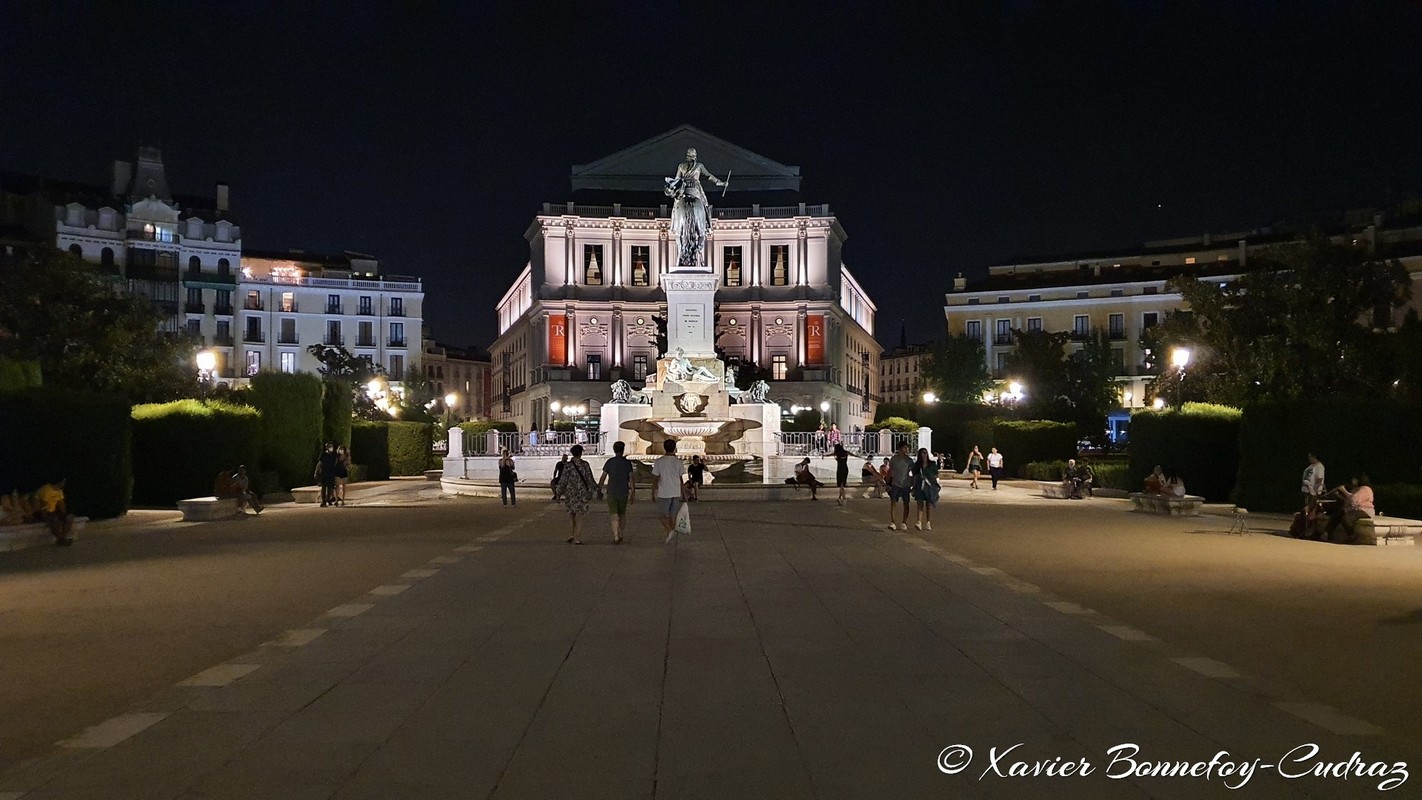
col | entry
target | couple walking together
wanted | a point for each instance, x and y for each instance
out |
(916, 479)
(576, 488)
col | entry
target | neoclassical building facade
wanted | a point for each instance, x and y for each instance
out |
(584, 310)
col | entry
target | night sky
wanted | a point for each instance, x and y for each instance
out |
(943, 143)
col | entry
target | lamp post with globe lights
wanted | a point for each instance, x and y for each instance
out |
(206, 365)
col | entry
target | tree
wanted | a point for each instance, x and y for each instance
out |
(956, 370)
(1039, 363)
(1297, 323)
(342, 366)
(88, 334)
(417, 398)
(1091, 385)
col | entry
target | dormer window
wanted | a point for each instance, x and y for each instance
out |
(592, 264)
(194, 229)
(106, 219)
(74, 215)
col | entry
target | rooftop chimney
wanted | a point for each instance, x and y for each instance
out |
(221, 198)
(123, 173)
(960, 283)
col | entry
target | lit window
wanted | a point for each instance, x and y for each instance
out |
(592, 264)
(732, 259)
(288, 362)
(254, 362)
(641, 258)
(780, 265)
(639, 368)
(595, 367)
(779, 368)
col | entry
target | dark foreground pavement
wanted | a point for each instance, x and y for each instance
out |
(781, 651)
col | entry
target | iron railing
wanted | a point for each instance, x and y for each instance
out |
(538, 443)
(859, 443)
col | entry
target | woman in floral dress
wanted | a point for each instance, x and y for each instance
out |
(576, 487)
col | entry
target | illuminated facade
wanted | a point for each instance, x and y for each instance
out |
(899, 373)
(581, 313)
(288, 301)
(1124, 293)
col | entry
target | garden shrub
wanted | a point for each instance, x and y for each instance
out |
(975, 433)
(336, 411)
(959, 426)
(1107, 475)
(1382, 438)
(884, 411)
(1200, 442)
(290, 404)
(391, 448)
(1024, 441)
(896, 424)
(807, 420)
(49, 434)
(17, 375)
(179, 447)
(484, 426)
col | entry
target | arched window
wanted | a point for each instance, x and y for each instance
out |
(224, 268)
(194, 265)
(76, 250)
(106, 258)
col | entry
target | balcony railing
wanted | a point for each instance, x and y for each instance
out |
(169, 237)
(1080, 336)
(335, 308)
(397, 312)
(365, 311)
(288, 339)
(365, 341)
(253, 305)
(1002, 338)
(291, 308)
(194, 308)
(334, 341)
(396, 343)
(222, 308)
(1117, 334)
(222, 341)
(256, 337)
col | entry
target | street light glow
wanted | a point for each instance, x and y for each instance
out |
(1015, 389)
(450, 399)
(554, 406)
(1180, 357)
(930, 398)
(824, 406)
(206, 360)
(1158, 404)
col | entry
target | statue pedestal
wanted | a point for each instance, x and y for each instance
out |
(691, 309)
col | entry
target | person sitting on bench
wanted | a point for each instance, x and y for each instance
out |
(1357, 505)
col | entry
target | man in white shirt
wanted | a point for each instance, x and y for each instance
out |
(667, 473)
(1313, 483)
(994, 460)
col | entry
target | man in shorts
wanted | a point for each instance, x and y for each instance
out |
(667, 487)
(900, 485)
(617, 476)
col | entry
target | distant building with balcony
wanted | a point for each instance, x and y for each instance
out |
(1123, 292)
(899, 373)
(582, 313)
(462, 371)
(290, 300)
(180, 251)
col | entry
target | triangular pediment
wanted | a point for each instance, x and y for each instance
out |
(642, 167)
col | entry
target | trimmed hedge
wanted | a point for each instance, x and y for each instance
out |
(290, 404)
(1200, 442)
(50, 434)
(1107, 476)
(1025, 441)
(179, 447)
(484, 426)
(959, 426)
(18, 375)
(391, 448)
(336, 412)
(897, 424)
(1380, 437)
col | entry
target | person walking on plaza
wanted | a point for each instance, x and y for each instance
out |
(900, 484)
(841, 469)
(869, 478)
(666, 487)
(508, 478)
(695, 474)
(975, 465)
(326, 474)
(925, 488)
(576, 487)
(994, 464)
(557, 475)
(621, 489)
(343, 473)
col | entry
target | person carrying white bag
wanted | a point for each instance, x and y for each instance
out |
(667, 492)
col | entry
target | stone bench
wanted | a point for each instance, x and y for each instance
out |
(34, 534)
(1187, 506)
(1054, 489)
(205, 509)
(1388, 531)
(306, 494)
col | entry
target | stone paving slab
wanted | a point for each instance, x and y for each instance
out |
(788, 650)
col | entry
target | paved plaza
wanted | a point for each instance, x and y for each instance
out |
(788, 650)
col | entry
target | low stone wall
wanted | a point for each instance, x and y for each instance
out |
(33, 534)
(1187, 506)
(1388, 531)
(206, 509)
